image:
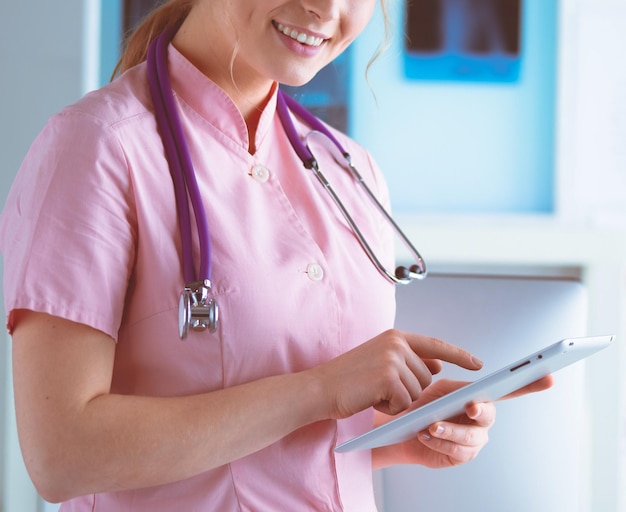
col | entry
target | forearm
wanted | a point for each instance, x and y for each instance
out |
(78, 438)
(122, 442)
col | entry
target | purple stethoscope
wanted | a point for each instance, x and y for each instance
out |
(197, 309)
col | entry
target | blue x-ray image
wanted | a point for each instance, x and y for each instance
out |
(468, 40)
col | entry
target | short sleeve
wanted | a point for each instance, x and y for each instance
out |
(68, 228)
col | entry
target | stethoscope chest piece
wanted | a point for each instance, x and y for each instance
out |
(196, 309)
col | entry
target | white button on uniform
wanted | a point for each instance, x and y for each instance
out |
(315, 272)
(260, 173)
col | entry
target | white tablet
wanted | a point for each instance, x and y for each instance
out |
(487, 389)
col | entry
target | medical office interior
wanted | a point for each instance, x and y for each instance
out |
(501, 126)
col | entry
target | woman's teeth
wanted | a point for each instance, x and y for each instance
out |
(299, 36)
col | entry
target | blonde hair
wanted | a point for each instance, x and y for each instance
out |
(386, 40)
(168, 15)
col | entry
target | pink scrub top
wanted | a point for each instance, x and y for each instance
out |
(90, 233)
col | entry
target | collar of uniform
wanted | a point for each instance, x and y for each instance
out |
(210, 101)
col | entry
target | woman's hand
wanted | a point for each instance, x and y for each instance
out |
(452, 442)
(389, 373)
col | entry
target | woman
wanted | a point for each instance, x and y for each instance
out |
(114, 412)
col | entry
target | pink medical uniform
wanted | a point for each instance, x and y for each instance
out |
(90, 233)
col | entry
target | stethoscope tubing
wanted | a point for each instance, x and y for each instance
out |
(181, 166)
(197, 308)
(402, 275)
(284, 105)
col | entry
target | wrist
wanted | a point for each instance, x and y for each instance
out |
(314, 397)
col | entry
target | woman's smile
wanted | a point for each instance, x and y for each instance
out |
(302, 37)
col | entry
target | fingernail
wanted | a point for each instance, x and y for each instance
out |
(426, 437)
(439, 430)
(477, 361)
(479, 411)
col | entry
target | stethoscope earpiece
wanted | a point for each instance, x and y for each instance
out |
(405, 275)
(402, 273)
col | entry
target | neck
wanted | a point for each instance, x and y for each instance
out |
(251, 113)
(212, 55)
